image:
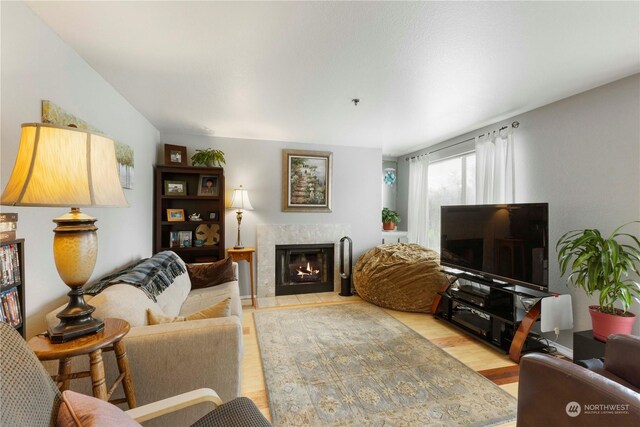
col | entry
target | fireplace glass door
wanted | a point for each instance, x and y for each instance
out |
(302, 269)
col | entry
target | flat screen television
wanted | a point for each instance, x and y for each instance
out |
(507, 242)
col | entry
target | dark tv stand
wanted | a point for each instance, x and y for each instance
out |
(490, 311)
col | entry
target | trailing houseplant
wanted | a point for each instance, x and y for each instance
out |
(603, 264)
(389, 219)
(208, 157)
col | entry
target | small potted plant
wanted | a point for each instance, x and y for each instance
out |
(602, 264)
(208, 157)
(389, 219)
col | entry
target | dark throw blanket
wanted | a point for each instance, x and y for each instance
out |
(152, 275)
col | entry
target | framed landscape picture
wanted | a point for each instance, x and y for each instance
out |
(175, 215)
(175, 188)
(306, 181)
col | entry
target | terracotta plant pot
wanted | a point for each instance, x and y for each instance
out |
(605, 324)
(388, 226)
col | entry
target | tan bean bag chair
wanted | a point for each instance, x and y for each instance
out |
(399, 276)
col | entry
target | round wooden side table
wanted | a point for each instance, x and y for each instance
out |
(110, 338)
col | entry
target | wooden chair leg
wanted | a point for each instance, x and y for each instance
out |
(98, 382)
(123, 366)
(64, 369)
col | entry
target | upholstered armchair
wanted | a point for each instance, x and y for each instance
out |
(556, 392)
(29, 398)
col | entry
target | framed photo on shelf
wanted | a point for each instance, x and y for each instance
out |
(306, 181)
(208, 185)
(175, 155)
(184, 238)
(175, 215)
(213, 216)
(174, 242)
(175, 188)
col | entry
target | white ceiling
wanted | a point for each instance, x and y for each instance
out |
(424, 71)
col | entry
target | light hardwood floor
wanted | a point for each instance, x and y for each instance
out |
(492, 364)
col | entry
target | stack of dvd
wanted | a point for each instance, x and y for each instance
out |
(8, 227)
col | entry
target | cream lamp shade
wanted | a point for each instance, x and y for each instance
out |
(64, 166)
(240, 201)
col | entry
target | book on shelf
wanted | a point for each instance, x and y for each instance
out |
(7, 236)
(9, 266)
(8, 217)
(10, 307)
(8, 226)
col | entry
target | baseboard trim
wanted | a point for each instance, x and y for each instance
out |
(565, 351)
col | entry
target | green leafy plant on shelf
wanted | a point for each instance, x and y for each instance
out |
(602, 264)
(208, 157)
(389, 219)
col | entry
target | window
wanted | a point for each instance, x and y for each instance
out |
(452, 181)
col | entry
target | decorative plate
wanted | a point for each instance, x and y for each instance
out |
(208, 233)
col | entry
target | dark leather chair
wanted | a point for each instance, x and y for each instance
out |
(556, 392)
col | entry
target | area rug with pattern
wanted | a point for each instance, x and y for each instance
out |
(356, 365)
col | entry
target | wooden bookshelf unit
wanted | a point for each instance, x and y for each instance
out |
(185, 188)
(12, 301)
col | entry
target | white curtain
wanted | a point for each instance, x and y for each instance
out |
(418, 200)
(494, 168)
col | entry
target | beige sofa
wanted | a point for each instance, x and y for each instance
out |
(172, 358)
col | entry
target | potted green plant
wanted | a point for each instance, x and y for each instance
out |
(602, 264)
(389, 219)
(208, 157)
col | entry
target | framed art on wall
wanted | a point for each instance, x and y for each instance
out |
(175, 155)
(306, 181)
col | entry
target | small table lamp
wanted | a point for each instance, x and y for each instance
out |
(240, 201)
(64, 166)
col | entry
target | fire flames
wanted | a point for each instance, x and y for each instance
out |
(306, 271)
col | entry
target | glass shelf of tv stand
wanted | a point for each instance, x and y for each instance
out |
(520, 313)
(517, 290)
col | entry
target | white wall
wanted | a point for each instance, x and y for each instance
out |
(257, 165)
(582, 156)
(37, 65)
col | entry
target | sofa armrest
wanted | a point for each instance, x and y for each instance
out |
(175, 403)
(547, 385)
(173, 358)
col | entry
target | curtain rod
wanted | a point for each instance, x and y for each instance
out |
(513, 125)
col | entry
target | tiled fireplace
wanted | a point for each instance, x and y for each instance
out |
(271, 235)
(304, 269)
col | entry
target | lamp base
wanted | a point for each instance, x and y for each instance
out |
(64, 332)
(238, 247)
(75, 319)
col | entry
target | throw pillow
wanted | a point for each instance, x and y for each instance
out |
(79, 410)
(221, 309)
(211, 274)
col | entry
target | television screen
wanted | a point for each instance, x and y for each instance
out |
(508, 242)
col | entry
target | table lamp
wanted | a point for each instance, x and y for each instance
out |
(240, 201)
(65, 166)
